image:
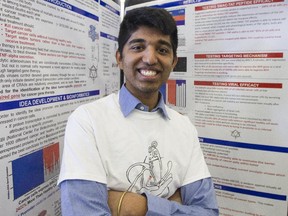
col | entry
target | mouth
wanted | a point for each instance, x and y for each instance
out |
(148, 73)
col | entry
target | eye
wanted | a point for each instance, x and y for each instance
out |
(164, 51)
(137, 48)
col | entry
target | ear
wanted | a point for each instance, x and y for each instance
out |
(175, 60)
(119, 59)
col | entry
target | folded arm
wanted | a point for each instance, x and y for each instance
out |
(80, 197)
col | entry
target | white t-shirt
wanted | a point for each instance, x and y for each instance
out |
(143, 152)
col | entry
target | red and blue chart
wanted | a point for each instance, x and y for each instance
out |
(33, 169)
(179, 16)
(174, 92)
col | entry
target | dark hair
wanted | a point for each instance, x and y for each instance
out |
(157, 18)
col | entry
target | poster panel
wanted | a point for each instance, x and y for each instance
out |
(109, 22)
(241, 94)
(49, 57)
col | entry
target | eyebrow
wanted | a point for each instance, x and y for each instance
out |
(140, 40)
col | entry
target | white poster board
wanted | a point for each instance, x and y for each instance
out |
(50, 57)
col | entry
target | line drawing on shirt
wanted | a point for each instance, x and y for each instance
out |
(152, 177)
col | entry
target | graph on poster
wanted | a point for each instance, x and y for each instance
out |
(179, 16)
(174, 92)
(33, 169)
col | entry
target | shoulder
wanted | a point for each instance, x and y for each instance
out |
(174, 115)
(99, 103)
(180, 120)
(99, 107)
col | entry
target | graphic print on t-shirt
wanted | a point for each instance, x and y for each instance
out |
(151, 175)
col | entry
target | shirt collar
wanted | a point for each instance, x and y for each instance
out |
(128, 103)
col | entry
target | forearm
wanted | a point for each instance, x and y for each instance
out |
(131, 204)
(90, 198)
(197, 198)
(162, 207)
(82, 197)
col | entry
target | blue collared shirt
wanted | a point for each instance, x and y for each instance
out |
(128, 103)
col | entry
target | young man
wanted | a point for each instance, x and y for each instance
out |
(128, 153)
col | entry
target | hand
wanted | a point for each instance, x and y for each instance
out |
(132, 203)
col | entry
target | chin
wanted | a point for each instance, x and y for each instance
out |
(150, 90)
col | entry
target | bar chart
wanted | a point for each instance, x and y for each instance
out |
(174, 92)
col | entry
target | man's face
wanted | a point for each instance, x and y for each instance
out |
(147, 60)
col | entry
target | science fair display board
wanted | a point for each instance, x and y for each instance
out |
(231, 80)
(54, 56)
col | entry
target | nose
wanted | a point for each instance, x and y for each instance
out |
(150, 56)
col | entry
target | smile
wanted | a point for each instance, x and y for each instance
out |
(148, 73)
